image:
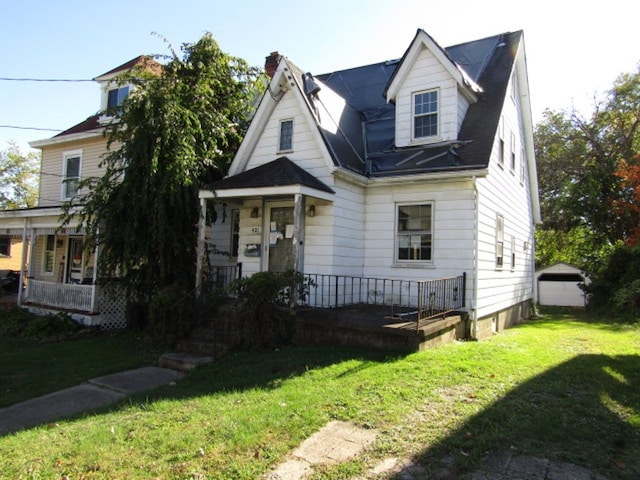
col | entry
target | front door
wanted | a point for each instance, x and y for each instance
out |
(280, 251)
(75, 263)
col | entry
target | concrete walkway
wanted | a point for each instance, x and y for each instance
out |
(95, 393)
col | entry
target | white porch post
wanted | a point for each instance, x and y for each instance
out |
(202, 225)
(23, 260)
(298, 232)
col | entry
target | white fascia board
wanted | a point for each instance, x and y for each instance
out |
(277, 86)
(423, 39)
(287, 190)
(453, 175)
(66, 138)
(527, 119)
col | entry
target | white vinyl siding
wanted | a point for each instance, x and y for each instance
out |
(53, 167)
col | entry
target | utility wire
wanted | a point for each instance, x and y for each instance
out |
(9, 79)
(31, 128)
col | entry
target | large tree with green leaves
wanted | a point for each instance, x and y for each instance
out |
(19, 175)
(582, 191)
(176, 129)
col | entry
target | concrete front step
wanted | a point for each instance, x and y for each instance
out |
(184, 361)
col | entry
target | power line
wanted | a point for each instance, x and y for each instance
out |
(31, 128)
(9, 79)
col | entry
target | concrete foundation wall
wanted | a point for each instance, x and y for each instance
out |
(498, 321)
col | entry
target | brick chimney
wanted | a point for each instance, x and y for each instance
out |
(271, 63)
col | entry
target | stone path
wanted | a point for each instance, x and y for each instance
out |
(339, 442)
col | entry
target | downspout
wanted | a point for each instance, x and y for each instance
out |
(476, 235)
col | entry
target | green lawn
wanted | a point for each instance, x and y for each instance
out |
(564, 387)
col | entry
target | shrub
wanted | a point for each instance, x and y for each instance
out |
(18, 322)
(616, 287)
(266, 303)
(172, 314)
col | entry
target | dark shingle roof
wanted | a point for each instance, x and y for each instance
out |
(87, 125)
(278, 173)
(488, 62)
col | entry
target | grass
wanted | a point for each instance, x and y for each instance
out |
(32, 365)
(564, 387)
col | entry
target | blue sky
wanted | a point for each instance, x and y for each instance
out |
(574, 50)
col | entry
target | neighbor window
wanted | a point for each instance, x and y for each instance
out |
(499, 241)
(286, 135)
(49, 254)
(425, 114)
(116, 96)
(414, 232)
(513, 252)
(522, 166)
(71, 174)
(5, 247)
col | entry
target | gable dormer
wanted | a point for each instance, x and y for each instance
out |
(431, 94)
(113, 92)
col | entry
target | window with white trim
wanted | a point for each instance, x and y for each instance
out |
(71, 174)
(499, 241)
(501, 142)
(425, 114)
(116, 96)
(513, 252)
(513, 153)
(49, 256)
(414, 233)
(522, 165)
(5, 246)
(285, 142)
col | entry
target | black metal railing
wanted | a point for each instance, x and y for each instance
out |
(412, 300)
(219, 279)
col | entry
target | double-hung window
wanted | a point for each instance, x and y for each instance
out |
(116, 96)
(414, 233)
(286, 136)
(49, 254)
(71, 174)
(425, 114)
(499, 241)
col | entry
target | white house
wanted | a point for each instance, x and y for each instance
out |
(407, 170)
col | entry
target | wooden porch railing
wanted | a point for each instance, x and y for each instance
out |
(60, 295)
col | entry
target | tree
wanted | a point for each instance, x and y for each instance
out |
(176, 129)
(582, 188)
(20, 175)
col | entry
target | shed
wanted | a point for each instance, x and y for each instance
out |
(559, 285)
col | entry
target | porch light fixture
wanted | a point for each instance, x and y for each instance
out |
(311, 211)
(255, 213)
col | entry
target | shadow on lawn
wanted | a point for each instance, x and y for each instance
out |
(585, 411)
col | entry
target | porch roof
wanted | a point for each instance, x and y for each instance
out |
(280, 175)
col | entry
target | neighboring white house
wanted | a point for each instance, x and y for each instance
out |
(559, 285)
(411, 169)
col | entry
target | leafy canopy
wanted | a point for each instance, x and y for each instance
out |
(176, 129)
(587, 178)
(19, 175)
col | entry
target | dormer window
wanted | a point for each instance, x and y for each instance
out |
(286, 136)
(116, 97)
(425, 114)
